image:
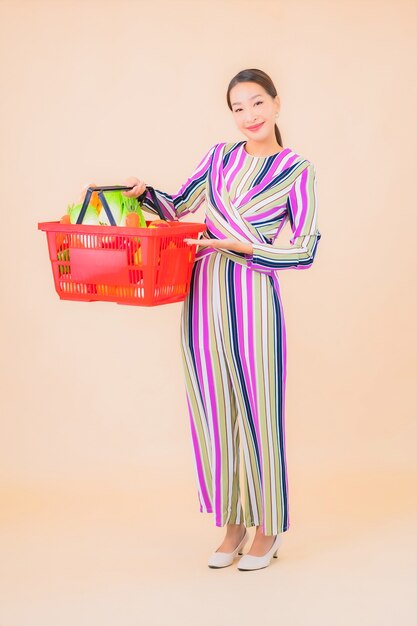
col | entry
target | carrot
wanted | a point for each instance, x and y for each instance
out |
(132, 220)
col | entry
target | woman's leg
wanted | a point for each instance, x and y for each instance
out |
(211, 400)
(254, 332)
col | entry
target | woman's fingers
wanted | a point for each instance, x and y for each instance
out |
(131, 193)
(84, 190)
(138, 187)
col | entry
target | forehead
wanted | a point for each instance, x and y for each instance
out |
(243, 92)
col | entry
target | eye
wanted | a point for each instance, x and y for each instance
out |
(237, 110)
(259, 102)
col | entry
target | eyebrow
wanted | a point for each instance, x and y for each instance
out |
(255, 96)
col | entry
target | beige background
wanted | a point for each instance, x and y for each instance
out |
(100, 522)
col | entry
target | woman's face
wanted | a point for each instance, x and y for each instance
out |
(254, 111)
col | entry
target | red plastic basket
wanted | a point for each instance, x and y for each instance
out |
(137, 266)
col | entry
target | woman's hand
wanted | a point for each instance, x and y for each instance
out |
(230, 244)
(138, 187)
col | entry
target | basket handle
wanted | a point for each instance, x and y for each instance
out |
(156, 203)
(100, 191)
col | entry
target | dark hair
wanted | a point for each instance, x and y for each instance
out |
(255, 76)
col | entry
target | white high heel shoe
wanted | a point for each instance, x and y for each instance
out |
(223, 559)
(250, 562)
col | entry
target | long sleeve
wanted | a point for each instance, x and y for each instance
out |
(188, 198)
(302, 213)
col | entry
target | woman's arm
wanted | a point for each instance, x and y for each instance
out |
(302, 211)
(265, 257)
(189, 197)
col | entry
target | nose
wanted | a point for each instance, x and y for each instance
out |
(251, 119)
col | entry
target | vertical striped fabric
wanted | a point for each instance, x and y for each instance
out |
(233, 338)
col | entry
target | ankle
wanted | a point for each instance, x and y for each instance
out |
(235, 529)
(259, 533)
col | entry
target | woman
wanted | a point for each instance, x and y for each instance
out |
(233, 335)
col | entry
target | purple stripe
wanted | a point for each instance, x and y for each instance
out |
(242, 313)
(241, 154)
(203, 252)
(231, 162)
(200, 472)
(217, 186)
(195, 343)
(211, 406)
(213, 228)
(214, 417)
(272, 171)
(260, 216)
(201, 278)
(252, 350)
(304, 203)
(283, 387)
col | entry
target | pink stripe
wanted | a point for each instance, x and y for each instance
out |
(284, 384)
(201, 478)
(291, 159)
(203, 252)
(197, 353)
(195, 332)
(232, 161)
(304, 203)
(217, 186)
(272, 172)
(213, 415)
(241, 154)
(241, 314)
(251, 332)
(214, 229)
(261, 216)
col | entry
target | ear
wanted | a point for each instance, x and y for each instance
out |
(277, 104)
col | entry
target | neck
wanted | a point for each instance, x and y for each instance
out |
(262, 148)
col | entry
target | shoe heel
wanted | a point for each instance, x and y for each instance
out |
(276, 554)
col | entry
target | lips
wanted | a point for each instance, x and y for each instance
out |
(255, 127)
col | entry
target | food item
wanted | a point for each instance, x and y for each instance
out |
(94, 199)
(90, 216)
(114, 200)
(61, 238)
(132, 220)
(123, 210)
(132, 207)
(157, 223)
(137, 257)
(63, 255)
(121, 207)
(113, 290)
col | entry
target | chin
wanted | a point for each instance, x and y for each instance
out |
(259, 136)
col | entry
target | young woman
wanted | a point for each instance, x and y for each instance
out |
(233, 336)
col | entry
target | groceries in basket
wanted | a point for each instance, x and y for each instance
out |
(103, 249)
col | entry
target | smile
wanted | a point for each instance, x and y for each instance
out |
(255, 127)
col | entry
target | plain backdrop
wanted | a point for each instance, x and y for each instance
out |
(100, 521)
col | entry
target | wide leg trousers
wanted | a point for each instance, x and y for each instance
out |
(233, 345)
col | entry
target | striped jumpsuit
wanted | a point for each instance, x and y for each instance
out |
(233, 337)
